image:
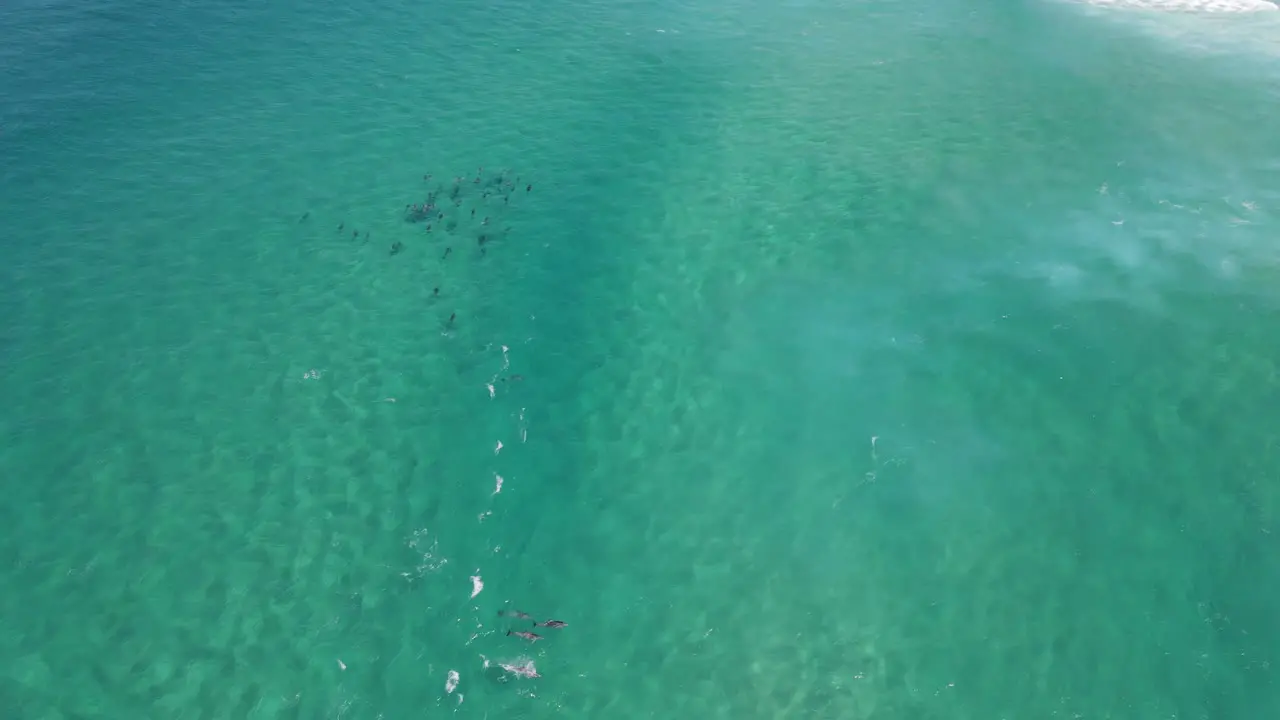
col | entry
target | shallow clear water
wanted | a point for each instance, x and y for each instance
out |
(873, 361)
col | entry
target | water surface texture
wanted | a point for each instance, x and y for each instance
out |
(809, 359)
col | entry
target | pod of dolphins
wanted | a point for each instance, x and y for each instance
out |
(466, 211)
(463, 211)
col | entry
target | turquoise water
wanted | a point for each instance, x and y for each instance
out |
(876, 361)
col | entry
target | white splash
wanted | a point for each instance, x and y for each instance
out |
(524, 668)
(452, 683)
(506, 360)
(476, 585)
(498, 449)
(498, 479)
(490, 386)
(421, 542)
(342, 665)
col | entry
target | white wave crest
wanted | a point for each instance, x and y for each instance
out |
(1193, 6)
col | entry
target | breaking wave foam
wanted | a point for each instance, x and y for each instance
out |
(1232, 27)
(1194, 6)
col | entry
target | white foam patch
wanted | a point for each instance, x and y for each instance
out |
(1215, 26)
(1194, 6)
(1232, 27)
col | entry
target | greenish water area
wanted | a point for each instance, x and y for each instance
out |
(809, 359)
